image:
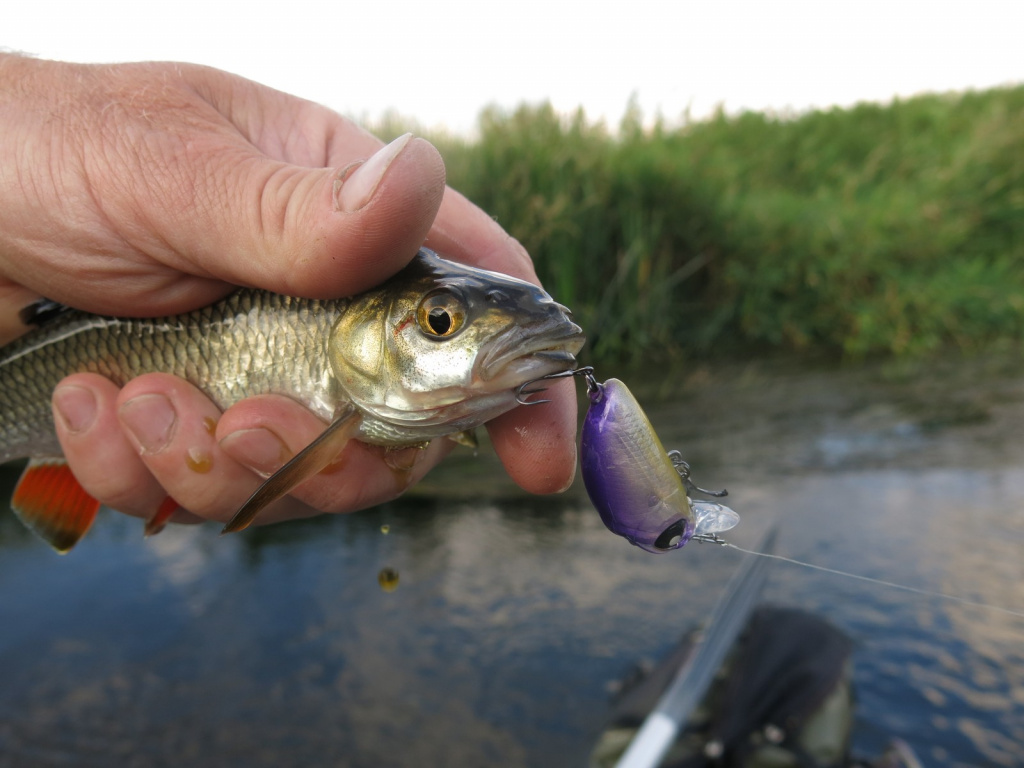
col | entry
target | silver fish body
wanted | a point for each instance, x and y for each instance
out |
(231, 349)
(436, 350)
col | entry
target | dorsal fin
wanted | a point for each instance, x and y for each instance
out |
(42, 311)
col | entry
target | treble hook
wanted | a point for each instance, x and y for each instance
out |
(683, 468)
(586, 371)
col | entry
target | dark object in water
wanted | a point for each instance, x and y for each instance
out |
(783, 697)
(790, 688)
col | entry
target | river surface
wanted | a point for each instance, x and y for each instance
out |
(514, 614)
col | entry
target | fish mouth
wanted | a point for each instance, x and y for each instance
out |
(520, 354)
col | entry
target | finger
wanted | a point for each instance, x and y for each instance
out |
(316, 232)
(281, 126)
(171, 425)
(338, 232)
(13, 299)
(264, 432)
(537, 444)
(315, 136)
(239, 184)
(96, 448)
(466, 233)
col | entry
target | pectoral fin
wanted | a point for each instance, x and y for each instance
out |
(52, 504)
(304, 464)
(467, 438)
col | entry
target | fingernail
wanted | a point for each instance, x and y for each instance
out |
(572, 477)
(259, 449)
(150, 419)
(75, 406)
(354, 191)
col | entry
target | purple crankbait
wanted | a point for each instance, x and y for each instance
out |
(641, 490)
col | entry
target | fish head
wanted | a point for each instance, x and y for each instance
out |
(441, 347)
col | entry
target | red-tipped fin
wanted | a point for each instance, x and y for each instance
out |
(163, 515)
(52, 504)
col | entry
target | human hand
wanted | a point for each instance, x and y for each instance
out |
(150, 189)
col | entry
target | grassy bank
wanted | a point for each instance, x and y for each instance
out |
(895, 229)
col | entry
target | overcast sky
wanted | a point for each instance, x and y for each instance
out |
(441, 61)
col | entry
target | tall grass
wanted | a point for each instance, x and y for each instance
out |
(895, 229)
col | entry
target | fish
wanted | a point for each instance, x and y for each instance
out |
(437, 350)
(633, 482)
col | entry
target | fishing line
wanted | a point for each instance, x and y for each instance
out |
(881, 582)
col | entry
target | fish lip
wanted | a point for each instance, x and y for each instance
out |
(526, 351)
(530, 368)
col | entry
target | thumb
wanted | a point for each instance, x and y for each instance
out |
(314, 232)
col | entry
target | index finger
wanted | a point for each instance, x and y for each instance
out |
(537, 444)
(464, 232)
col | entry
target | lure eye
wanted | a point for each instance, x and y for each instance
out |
(441, 315)
(671, 536)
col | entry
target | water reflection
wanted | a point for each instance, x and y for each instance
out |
(279, 646)
(948, 673)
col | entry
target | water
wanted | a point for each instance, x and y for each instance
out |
(513, 614)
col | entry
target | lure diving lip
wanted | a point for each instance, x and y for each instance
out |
(640, 490)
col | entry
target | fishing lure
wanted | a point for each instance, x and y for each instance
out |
(642, 492)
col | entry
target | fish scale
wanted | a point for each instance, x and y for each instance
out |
(230, 350)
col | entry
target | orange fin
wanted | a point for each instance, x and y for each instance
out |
(52, 503)
(159, 521)
(304, 464)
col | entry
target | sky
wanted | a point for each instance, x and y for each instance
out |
(440, 62)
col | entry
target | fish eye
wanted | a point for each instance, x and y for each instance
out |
(441, 315)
